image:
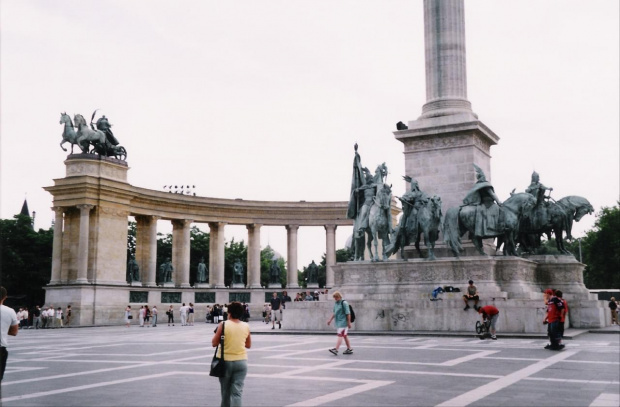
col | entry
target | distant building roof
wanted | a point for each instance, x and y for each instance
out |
(25, 210)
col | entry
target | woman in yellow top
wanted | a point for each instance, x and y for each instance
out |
(236, 340)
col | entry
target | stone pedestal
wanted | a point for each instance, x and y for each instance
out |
(238, 285)
(275, 285)
(396, 295)
(312, 285)
(135, 284)
(168, 284)
(202, 285)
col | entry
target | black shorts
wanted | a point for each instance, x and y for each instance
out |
(4, 355)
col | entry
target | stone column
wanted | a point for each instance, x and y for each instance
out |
(57, 245)
(446, 72)
(253, 256)
(216, 254)
(330, 254)
(147, 242)
(82, 263)
(180, 251)
(291, 251)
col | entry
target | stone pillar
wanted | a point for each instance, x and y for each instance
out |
(57, 245)
(180, 251)
(253, 256)
(82, 263)
(446, 71)
(291, 264)
(330, 254)
(216, 254)
(146, 248)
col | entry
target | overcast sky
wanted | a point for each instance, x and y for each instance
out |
(263, 100)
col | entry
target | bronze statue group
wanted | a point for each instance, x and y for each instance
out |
(518, 223)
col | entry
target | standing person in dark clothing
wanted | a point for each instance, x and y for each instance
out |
(554, 313)
(563, 314)
(276, 303)
(613, 306)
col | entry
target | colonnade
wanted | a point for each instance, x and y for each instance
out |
(146, 250)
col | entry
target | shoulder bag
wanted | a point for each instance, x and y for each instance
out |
(218, 369)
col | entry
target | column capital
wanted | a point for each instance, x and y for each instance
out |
(331, 228)
(85, 207)
(255, 226)
(59, 209)
(182, 222)
(292, 227)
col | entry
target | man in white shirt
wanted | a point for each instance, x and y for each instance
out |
(9, 326)
(51, 323)
(184, 308)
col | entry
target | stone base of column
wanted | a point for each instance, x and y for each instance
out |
(238, 285)
(255, 286)
(168, 284)
(275, 285)
(292, 286)
(202, 285)
(219, 286)
(184, 285)
(81, 281)
(313, 285)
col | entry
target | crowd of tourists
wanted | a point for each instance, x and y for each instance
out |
(43, 317)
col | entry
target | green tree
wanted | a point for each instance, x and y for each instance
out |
(342, 255)
(601, 250)
(25, 260)
(131, 239)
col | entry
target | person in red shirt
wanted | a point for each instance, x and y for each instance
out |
(491, 313)
(555, 307)
(563, 314)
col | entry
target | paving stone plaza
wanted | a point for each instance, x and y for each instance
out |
(168, 366)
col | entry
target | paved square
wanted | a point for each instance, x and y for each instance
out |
(168, 366)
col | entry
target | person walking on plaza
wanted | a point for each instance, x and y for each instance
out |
(59, 317)
(613, 306)
(9, 326)
(141, 315)
(154, 314)
(170, 314)
(68, 315)
(51, 320)
(190, 314)
(489, 313)
(563, 314)
(276, 303)
(128, 316)
(147, 316)
(472, 294)
(554, 312)
(342, 317)
(237, 339)
(36, 317)
(183, 311)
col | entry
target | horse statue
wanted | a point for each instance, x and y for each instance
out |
(560, 216)
(86, 136)
(462, 219)
(429, 225)
(110, 150)
(68, 134)
(379, 220)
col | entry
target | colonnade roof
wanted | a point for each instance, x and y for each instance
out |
(136, 201)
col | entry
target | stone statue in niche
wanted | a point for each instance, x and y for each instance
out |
(274, 272)
(238, 272)
(202, 274)
(133, 270)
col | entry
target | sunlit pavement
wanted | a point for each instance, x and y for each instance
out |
(168, 366)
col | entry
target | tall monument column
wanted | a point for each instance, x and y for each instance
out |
(446, 71)
(442, 145)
